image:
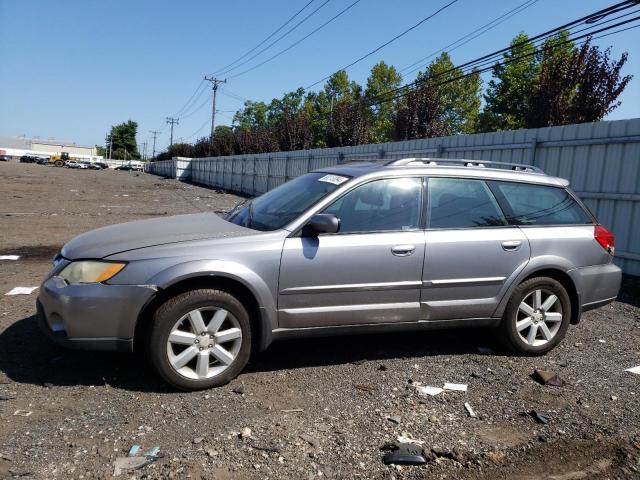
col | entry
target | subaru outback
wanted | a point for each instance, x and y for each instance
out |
(366, 247)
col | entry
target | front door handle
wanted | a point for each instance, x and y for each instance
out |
(403, 250)
(512, 245)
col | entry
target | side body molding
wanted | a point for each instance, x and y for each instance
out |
(226, 269)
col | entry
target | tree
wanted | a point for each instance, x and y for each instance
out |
(349, 125)
(122, 140)
(382, 80)
(459, 96)
(418, 114)
(252, 115)
(575, 86)
(508, 93)
(101, 151)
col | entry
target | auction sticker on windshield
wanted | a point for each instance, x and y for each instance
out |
(335, 179)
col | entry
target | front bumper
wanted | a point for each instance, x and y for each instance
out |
(91, 316)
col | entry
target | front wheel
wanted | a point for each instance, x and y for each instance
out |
(537, 316)
(200, 339)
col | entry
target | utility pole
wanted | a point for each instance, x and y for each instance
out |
(110, 145)
(172, 121)
(154, 133)
(214, 86)
(144, 150)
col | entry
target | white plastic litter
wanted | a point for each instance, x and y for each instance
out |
(404, 438)
(427, 390)
(470, 410)
(458, 387)
(9, 257)
(21, 291)
(635, 370)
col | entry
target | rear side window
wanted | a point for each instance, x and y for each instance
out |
(462, 203)
(527, 204)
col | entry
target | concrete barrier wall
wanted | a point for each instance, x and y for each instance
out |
(601, 160)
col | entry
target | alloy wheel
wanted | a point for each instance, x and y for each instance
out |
(204, 343)
(539, 317)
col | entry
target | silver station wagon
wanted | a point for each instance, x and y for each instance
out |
(409, 244)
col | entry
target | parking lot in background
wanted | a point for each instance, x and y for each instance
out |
(302, 408)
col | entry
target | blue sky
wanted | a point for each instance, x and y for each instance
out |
(71, 69)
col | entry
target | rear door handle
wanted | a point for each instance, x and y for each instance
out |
(511, 245)
(403, 250)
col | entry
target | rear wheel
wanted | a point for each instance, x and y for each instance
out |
(200, 339)
(537, 316)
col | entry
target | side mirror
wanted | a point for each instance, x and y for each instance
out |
(323, 223)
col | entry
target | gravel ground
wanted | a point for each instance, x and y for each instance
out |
(315, 408)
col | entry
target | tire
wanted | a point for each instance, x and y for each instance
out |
(214, 357)
(519, 320)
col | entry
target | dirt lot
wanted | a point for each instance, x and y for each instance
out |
(316, 408)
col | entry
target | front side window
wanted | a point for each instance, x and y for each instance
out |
(282, 205)
(539, 204)
(381, 205)
(462, 203)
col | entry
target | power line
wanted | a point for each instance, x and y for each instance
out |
(343, 11)
(269, 37)
(472, 35)
(388, 42)
(191, 98)
(224, 71)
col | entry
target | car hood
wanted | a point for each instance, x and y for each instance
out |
(114, 239)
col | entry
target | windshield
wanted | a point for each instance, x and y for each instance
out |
(277, 207)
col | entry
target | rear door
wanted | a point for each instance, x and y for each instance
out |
(471, 253)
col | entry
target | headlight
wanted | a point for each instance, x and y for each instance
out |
(90, 271)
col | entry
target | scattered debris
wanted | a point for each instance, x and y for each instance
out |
(133, 451)
(245, 433)
(9, 257)
(21, 291)
(545, 377)
(4, 398)
(495, 457)
(602, 341)
(23, 413)
(239, 390)
(470, 410)
(154, 452)
(427, 390)
(539, 416)
(293, 410)
(382, 368)
(456, 387)
(365, 388)
(406, 438)
(198, 440)
(125, 464)
(395, 419)
(635, 370)
(403, 454)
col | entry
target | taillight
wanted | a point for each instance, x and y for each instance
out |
(605, 238)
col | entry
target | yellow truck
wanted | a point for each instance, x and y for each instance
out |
(59, 160)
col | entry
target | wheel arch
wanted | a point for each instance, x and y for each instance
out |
(558, 274)
(260, 321)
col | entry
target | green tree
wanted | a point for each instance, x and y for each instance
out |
(122, 139)
(252, 115)
(508, 93)
(383, 79)
(459, 99)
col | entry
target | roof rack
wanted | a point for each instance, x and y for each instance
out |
(518, 167)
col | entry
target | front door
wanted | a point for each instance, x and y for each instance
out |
(369, 272)
(471, 254)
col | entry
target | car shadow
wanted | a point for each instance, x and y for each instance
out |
(30, 357)
(630, 290)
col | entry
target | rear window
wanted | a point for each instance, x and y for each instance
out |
(462, 203)
(527, 204)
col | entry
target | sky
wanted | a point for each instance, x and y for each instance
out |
(71, 69)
